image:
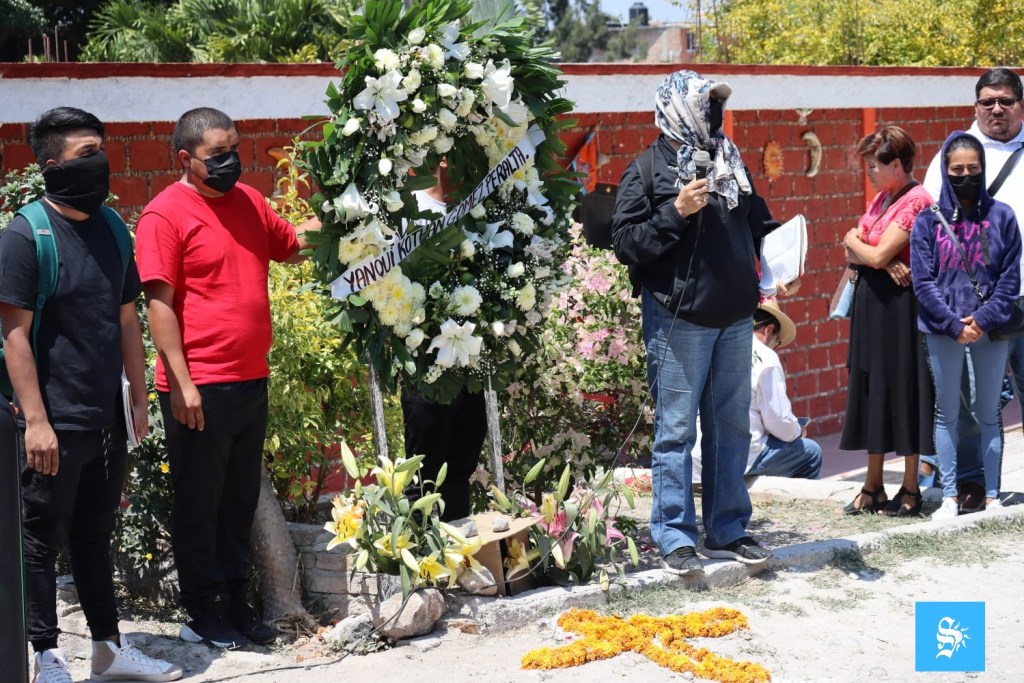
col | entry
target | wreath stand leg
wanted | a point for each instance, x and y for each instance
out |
(494, 436)
(380, 437)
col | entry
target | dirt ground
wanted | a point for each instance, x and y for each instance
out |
(850, 621)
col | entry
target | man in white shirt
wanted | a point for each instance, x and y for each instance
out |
(778, 443)
(998, 117)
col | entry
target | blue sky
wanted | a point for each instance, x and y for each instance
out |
(657, 10)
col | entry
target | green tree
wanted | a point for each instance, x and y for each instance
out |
(625, 45)
(884, 32)
(581, 29)
(220, 31)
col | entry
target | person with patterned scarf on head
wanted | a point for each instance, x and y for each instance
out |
(691, 244)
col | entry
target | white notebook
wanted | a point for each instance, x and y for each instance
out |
(783, 252)
(128, 411)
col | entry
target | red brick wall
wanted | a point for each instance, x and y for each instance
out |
(832, 201)
(141, 166)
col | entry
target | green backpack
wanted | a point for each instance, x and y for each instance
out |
(46, 255)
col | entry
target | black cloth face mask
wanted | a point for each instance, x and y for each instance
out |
(223, 171)
(81, 184)
(716, 116)
(966, 187)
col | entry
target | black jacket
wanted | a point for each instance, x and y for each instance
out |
(702, 266)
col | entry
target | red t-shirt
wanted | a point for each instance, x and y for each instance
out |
(216, 253)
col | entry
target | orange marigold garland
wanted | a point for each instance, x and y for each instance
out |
(660, 639)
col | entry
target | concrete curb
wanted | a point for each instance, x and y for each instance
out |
(504, 614)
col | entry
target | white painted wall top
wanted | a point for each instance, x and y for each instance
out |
(161, 92)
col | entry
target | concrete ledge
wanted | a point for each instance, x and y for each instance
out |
(501, 614)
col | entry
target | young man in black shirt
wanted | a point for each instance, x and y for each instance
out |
(67, 386)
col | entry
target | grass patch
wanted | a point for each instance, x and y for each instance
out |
(763, 593)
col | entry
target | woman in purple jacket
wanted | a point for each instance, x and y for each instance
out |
(954, 316)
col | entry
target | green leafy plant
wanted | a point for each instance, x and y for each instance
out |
(575, 534)
(389, 534)
(18, 188)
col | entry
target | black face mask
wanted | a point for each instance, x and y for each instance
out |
(716, 115)
(81, 184)
(223, 171)
(966, 187)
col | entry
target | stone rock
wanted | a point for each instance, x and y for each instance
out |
(67, 596)
(465, 526)
(479, 582)
(418, 617)
(499, 524)
(469, 626)
(349, 629)
(425, 643)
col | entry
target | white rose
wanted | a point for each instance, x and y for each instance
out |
(443, 144)
(414, 339)
(515, 269)
(416, 36)
(498, 328)
(474, 70)
(411, 83)
(466, 249)
(419, 106)
(393, 201)
(447, 118)
(446, 90)
(478, 211)
(385, 60)
(384, 166)
(351, 126)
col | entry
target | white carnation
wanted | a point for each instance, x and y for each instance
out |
(527, 298)
(465, 300)
(522, 224)
(412, 81)
(423, 135)
(385, 60)
(466, 101)
(434, 56)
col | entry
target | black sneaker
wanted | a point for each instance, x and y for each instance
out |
(682, 561)
(243, 617)
(745, 550)
(207, 624)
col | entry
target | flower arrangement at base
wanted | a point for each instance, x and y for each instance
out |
(460, 307)
(389, 534)
(575, 534)
(660, 639)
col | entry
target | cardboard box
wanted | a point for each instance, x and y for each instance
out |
(494, 549)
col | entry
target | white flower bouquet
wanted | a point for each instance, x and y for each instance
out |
(463, 308)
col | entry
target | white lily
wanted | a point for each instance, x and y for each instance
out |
(393, 201)
(493, 237)
(352, 206)
(497, 85)
(448, 38)
(456, 344)
(382, 95)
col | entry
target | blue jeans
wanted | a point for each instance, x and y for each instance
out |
(800, 459)
(988, 360)
(968, 457)
(690, 367)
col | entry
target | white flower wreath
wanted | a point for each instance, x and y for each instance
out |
(463, 309)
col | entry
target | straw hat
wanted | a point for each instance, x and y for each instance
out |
(787, 330)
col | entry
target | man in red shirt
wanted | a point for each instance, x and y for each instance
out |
(204, 249)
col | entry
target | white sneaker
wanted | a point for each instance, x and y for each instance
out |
(51, 666)
(996, 504)
(124, 662)
(948, 510)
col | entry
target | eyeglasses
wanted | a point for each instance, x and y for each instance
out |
(989, 103)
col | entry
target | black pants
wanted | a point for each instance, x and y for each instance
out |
(79, 502)
(452, 433)
(215, 474)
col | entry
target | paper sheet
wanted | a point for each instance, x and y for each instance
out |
(783, 252)
(126, 402)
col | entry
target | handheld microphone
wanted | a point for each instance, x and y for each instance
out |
(702, 160)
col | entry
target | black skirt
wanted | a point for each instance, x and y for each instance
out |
(890, 404)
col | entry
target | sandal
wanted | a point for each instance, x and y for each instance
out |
(873, 507)
(896, 507)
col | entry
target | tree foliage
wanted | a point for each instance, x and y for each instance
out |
(884, 32)
(576, 28)
(220, 31)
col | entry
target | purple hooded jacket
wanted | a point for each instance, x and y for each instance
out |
(991, 239)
